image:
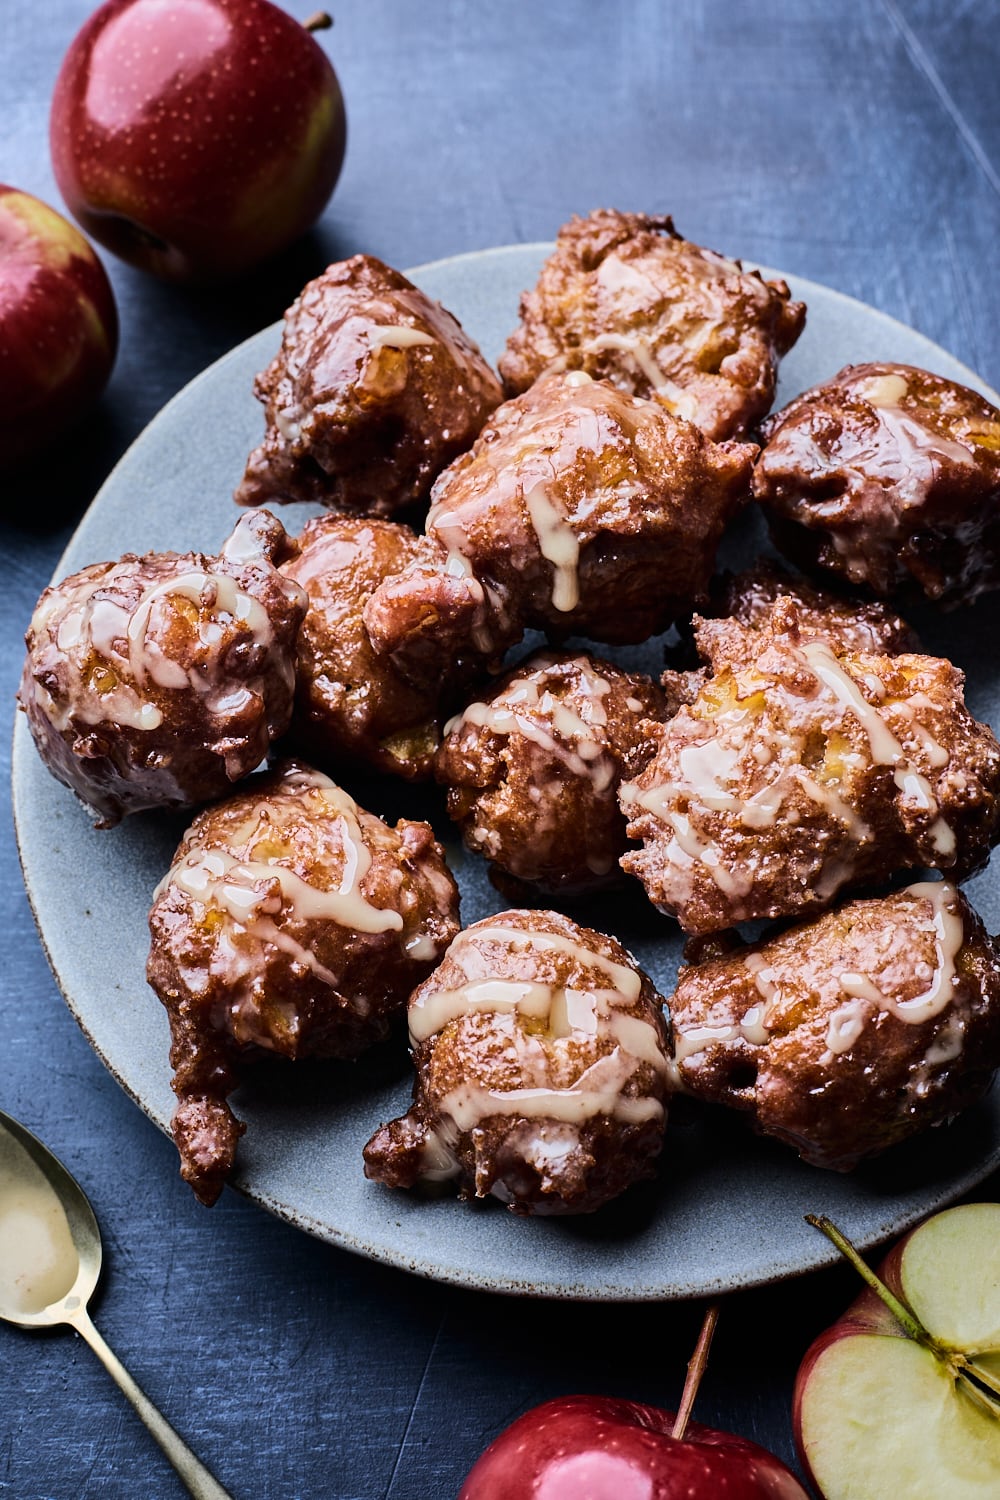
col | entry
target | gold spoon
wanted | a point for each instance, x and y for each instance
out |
(50, 1259)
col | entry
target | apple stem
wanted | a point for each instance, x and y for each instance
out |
(319, 21)
(978, 1385)
(696, 1369)
(899, 1310)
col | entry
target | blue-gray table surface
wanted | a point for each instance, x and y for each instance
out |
(857, 144)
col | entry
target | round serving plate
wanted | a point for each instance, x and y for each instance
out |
(726, 1209)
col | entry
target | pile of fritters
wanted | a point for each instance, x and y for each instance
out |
(810, 762)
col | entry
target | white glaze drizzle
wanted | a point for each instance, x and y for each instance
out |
(696, 1039)
(562, 1010)
(565, 1010)
(645, 359)
(118, 702)
(949, 936)
(624, 979)
(558, 544)
(597, 1091)
(845, 1026)
(884, 390)
(573, 741)
(885, 393)
(244, 888)
(885, 747)
(117, 634)
(212, 594)
(396, 336)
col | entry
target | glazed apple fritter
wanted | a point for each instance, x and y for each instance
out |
(890, 477)
(533, 768)
(541, 1056)
(158, 681)
(578, 510)
(375, 388)
(805, 770)
(293, 923)
(851, 1032)
(627, 299)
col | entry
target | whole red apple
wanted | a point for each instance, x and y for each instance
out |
(600, 1448)
(196, 138)
(58, 324)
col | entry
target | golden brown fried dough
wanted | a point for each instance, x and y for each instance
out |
(847, 1034)
(293, 923)
(889, 477)
(352, 705)
(625, 298)
(541, 1056)
(753, 600)
(578, 510)
(158, 681)
(533, 768)
(806, 771)
(375, 388)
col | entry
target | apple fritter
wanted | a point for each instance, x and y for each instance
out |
(352, 706)
(158, 681)
(578, 510)
(541, 1057)
(374, 389)
(849, 1033)
(533, 768)
(292, 923)
(627, 299)
(804, 771)
(890, 477)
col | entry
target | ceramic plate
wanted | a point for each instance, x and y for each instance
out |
(727, 1209)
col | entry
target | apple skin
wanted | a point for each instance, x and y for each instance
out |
(58, 324)
(602, 1448)
(196, 138)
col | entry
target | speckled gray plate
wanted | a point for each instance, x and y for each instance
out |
(727, 1209)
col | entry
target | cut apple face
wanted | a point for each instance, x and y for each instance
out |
(950, 1276)
(880, 1409)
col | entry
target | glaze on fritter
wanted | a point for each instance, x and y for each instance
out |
(533, 768)
(352, 706)
(158, 681)
(804, 771)
(578, 510)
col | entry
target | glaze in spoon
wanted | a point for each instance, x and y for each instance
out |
(50, 1260)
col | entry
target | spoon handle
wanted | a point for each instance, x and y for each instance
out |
(200, 1483)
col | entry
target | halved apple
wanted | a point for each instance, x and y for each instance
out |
(902, 1397)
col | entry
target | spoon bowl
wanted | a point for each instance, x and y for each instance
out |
(50, 1262)
(37, 1192)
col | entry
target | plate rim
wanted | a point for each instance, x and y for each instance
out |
(470, 1279)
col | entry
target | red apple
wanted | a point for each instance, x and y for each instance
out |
(598, 1448)
(196, 138)
(58, 325)
(901, 1396)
